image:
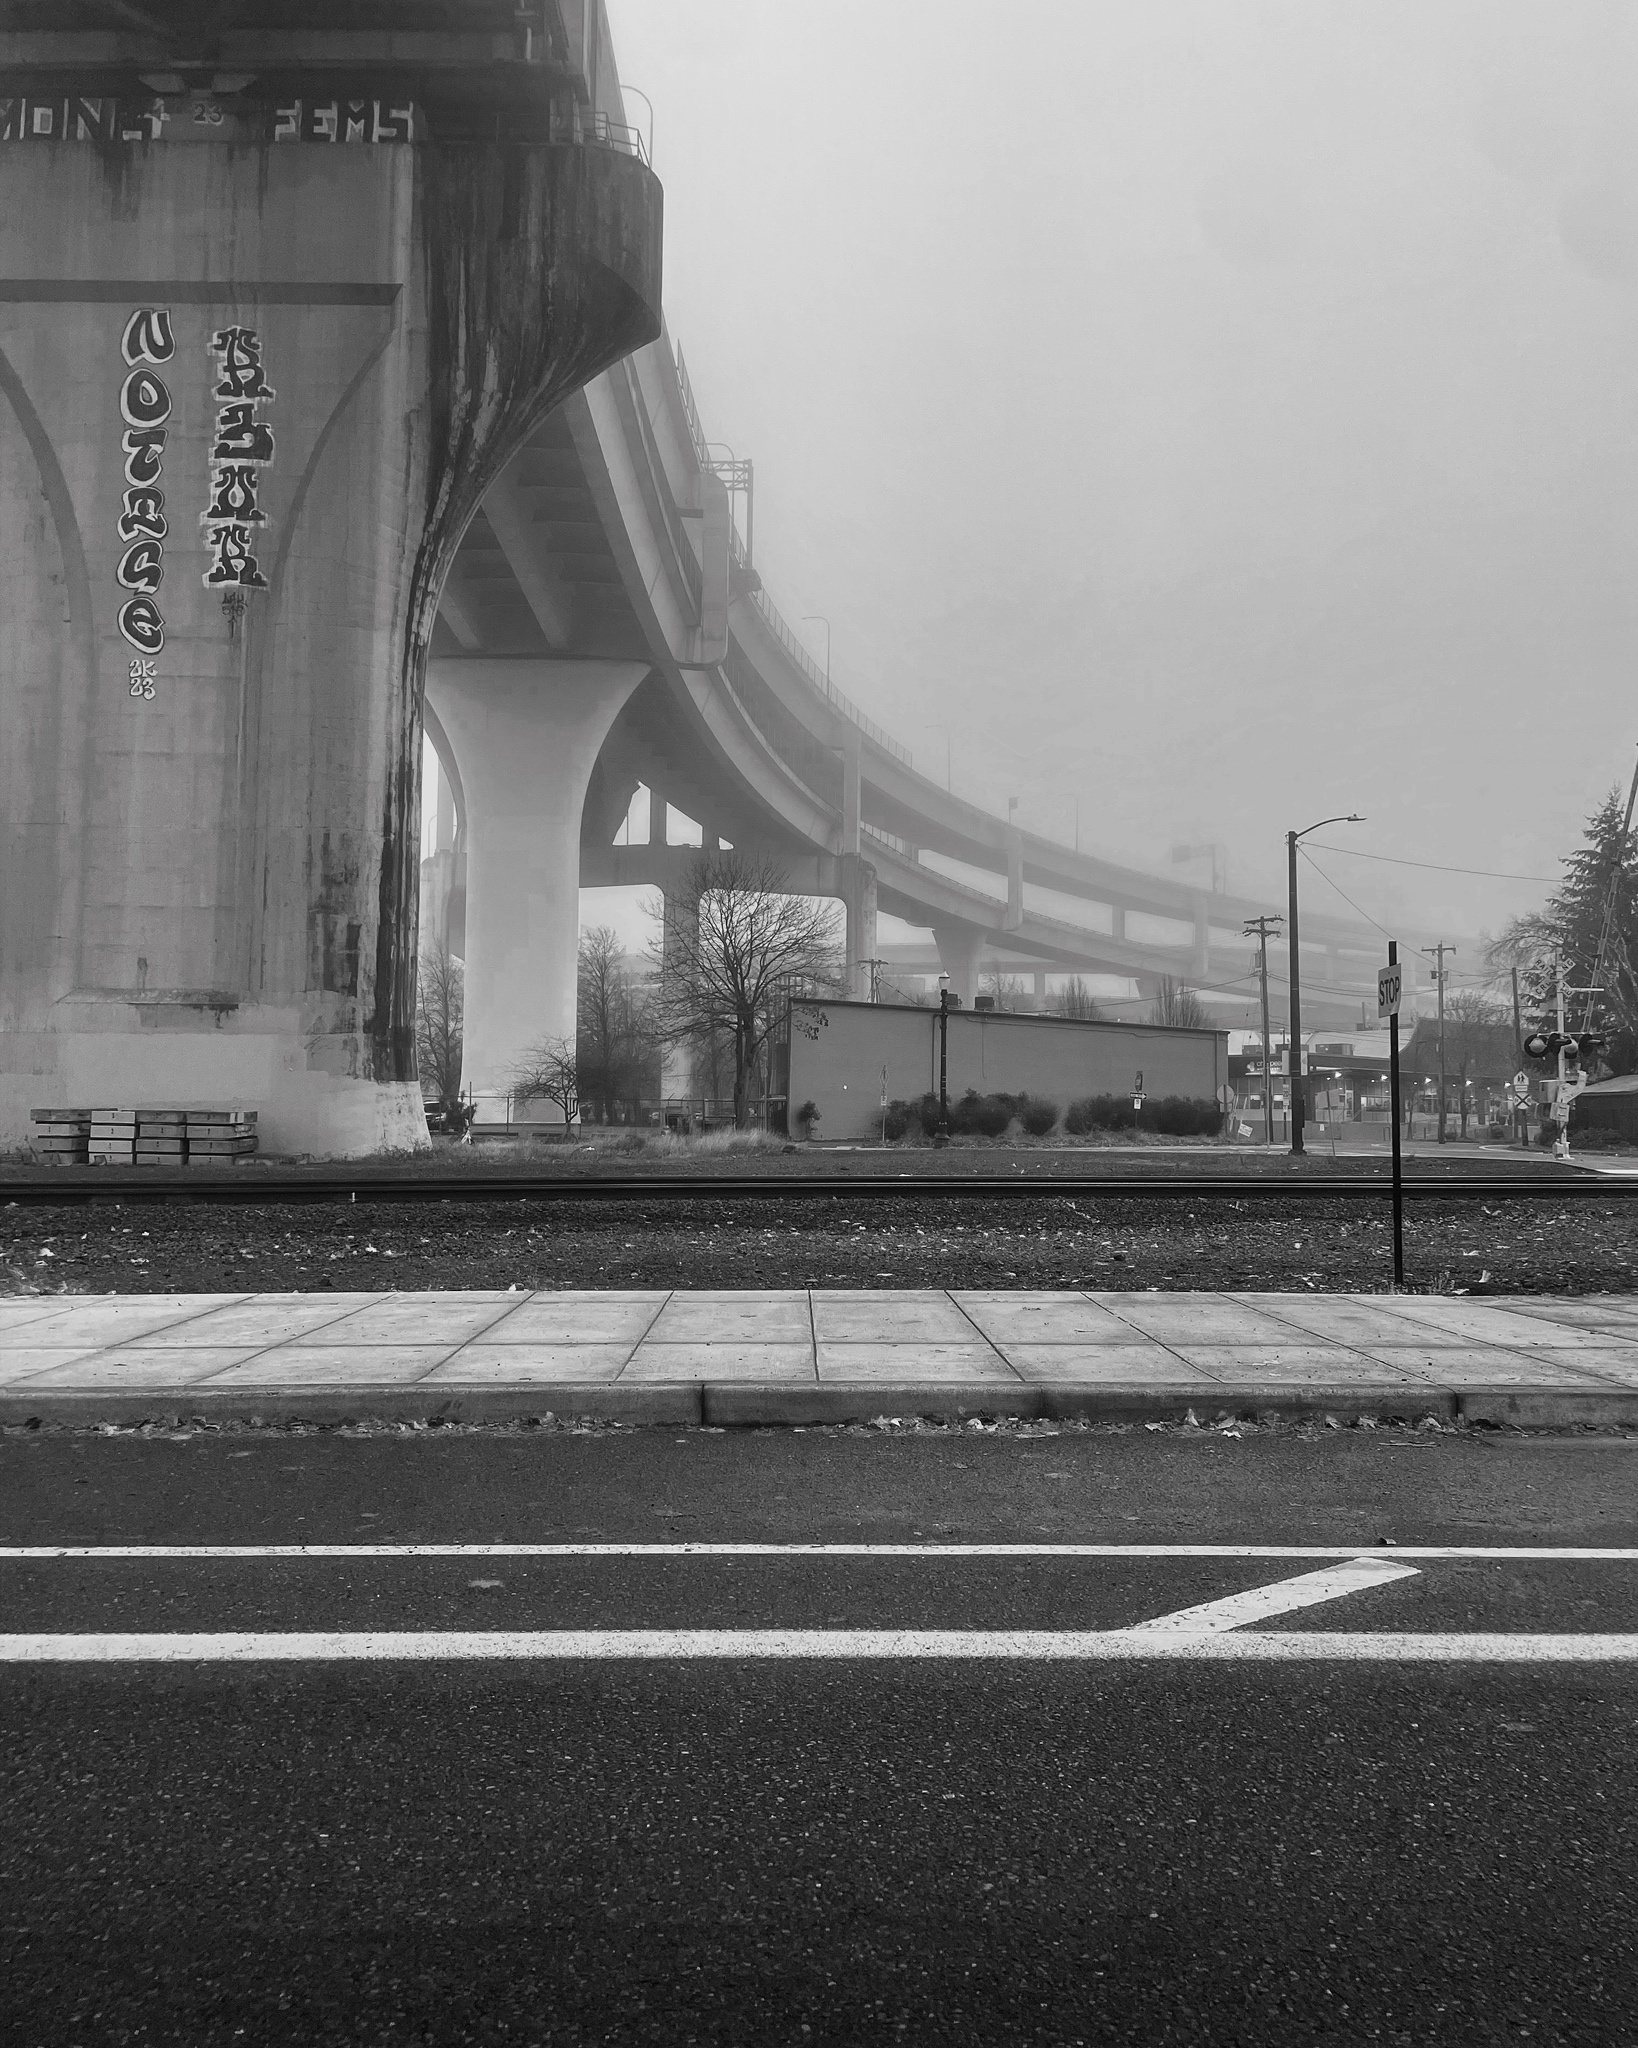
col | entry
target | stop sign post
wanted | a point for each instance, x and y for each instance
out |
(1389, 987)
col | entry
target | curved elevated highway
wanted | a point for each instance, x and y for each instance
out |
(602, 628)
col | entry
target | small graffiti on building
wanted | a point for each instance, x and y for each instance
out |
(343, 121)
(26, 118)
(202, 117)
(145, 407)
(234, 517)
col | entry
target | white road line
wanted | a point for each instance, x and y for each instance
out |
(159, 1553)
(1259, 1603)
(825, 1645)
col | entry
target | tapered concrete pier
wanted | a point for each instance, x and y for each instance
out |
(272, 318)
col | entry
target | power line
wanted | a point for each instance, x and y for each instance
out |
(1434, 866)
(1352, 905)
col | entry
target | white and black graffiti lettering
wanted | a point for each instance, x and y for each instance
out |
(148, 336)
(144, 406)
(143, 517)
(141, 625)
(344, 121)
(244, 445)
(240, 350)
(144, 400)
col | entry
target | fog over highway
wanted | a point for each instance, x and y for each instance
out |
(1200, 411)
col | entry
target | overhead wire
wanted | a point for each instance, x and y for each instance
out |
(1433, 866)
(1342, 892)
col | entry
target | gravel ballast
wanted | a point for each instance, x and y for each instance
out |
(1478, 1245)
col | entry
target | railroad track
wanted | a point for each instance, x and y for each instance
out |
(137, 1184)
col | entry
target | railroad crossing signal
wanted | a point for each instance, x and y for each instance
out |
(1547, 1045)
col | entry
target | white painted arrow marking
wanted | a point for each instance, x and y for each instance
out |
(1213, 1617)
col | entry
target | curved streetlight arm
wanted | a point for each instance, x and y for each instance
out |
(1353, 818)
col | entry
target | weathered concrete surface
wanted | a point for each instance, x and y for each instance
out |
(525, 736)
(209, 894)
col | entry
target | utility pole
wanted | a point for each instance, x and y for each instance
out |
(1258, 928)
(1437, 955)
(1293, 1059)
(943, 1137)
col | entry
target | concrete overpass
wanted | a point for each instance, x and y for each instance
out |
(602, 628)
(392, 295)
(281, 293)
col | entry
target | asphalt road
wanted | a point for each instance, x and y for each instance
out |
(751, 1849)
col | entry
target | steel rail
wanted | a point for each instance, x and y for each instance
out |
(136, 1184)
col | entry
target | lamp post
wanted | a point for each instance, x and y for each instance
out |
(943, 1137)
(1295, 1079)
(819, 619)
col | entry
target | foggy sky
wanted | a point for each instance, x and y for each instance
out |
(1219, 410)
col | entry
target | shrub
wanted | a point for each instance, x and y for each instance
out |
(1038, 1117)
(981, 1116)
(1183, 1116)
(1178, 1116)
(928, 1111)
(899, 1120)
(1099, 1113)
(806, 1117)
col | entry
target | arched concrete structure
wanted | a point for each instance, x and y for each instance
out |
(230, 495)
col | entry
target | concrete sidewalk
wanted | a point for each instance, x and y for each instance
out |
(821, 1356)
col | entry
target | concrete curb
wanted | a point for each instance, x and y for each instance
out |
(1552, 1407)
(651, 1406)
(729, 1405)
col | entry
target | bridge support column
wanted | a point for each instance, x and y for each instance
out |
(1015, 881)
(676, 1055)
(859, 898)
(960, 954)
(526, 736)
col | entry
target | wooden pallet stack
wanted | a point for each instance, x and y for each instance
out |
(161, 1137)
(113, 1137)
(216, 1136)
(61, 1136)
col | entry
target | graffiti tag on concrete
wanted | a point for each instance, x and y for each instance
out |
(145, 407)
(242, 449)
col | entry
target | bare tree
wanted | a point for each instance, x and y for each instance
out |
(1007, 989)
(1478, 1044)
(1178, 1005)
(1078, 1001)
(738, 944)
(616, 1039)
(439, 1011)
(549, 1072)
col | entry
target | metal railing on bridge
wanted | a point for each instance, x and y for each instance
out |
(799, 655)
(617, 135)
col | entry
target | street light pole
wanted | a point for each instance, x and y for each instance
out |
(1294, 1061)
(819, 619)
(943, 1059)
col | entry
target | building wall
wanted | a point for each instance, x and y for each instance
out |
(839, 1052)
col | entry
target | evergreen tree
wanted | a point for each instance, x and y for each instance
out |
(1574, 922)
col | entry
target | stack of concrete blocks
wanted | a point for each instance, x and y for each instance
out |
(113, 1137)
(61, 1136)
(162, 1137)
(215, 1135)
